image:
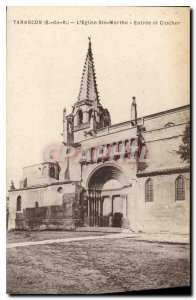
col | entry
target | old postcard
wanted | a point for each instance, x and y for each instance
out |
(98, 149)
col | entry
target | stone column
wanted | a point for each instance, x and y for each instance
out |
(90, 210)
(101, 210)
(111, 216)
(88, 203)
(125, 220)
(93, 211)
(124, 205)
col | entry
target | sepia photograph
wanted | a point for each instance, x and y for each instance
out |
(98, 150)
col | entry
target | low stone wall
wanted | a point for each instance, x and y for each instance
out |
(42, 218)
(64, 217)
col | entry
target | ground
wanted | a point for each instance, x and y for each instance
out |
(24, 236)
(95, 266)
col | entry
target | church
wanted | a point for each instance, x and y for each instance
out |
(126, 176)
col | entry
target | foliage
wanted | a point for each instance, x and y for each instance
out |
(184, 148)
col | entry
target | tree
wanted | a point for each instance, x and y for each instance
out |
(184, 148)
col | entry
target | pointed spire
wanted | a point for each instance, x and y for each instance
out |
(88, 87)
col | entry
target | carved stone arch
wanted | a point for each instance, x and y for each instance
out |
(108, 171)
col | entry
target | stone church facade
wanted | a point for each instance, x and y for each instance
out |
(126, 175)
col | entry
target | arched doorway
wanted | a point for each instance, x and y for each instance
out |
(106, 196)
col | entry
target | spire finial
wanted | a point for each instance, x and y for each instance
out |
(133, 100)
(89, 45)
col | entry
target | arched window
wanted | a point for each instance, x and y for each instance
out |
(60, 190)
(102, 122)
(133, 142)
(120, 145)
(80, 117)
(70, 124)
(180, 188)
(127, 146)
(57, 173)
(170, 124)
(90, 114)
(52, 172)
(19, 203)
(36, 204)
(149, 191)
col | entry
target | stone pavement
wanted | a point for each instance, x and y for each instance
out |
(164, 238)
(160, 238)
(30, 243)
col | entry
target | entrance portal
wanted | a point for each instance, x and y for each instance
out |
(106, 198)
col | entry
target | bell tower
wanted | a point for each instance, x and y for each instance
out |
(87, 115)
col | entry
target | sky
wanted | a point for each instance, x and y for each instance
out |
(45, 62)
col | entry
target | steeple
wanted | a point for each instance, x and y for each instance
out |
(88, 87)
(87, 115)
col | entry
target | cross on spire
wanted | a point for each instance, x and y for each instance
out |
(88, 87)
